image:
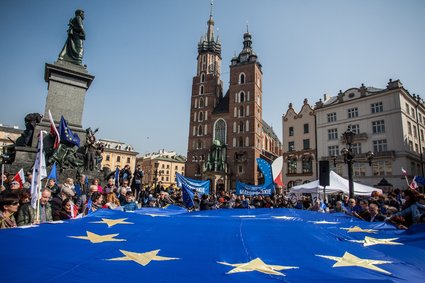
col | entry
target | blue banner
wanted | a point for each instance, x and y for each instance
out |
(66, 135)
(265, 189)
(200, 186)
(227, 245)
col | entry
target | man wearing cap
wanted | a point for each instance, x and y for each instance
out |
(65, 192)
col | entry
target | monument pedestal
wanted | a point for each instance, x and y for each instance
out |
(67, 87)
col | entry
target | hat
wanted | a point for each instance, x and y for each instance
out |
(66, 189)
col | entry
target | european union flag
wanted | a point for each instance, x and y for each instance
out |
(66, 135)
(227, 245)
(53, 173)
(187, 196)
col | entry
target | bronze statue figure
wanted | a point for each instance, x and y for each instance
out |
(90, 149)
(72, 51)
(30, 121)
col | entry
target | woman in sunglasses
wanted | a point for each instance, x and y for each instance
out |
(9, 204)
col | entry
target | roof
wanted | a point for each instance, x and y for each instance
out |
(269, 130)
(223, 105)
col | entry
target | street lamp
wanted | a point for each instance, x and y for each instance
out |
(348, 155)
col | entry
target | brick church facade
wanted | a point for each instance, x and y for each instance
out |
(226, 132)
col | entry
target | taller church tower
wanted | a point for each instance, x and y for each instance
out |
(207, 92)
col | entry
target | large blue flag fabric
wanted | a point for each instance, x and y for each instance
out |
(253, 190)
(228, 245)
(66, 135)
(199, 186)
(187, 196)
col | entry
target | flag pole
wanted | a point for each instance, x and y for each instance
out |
(38, 188)
(2, 173)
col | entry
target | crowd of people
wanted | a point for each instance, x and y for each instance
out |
(75, 198)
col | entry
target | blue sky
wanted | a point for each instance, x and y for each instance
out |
(143, 54)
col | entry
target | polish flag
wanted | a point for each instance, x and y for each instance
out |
(54, 132)
(413, 184)
(277, 171)
(20, 177)
(404, 172)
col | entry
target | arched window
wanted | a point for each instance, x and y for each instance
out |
(240, 142)
(220, 131)
(241, 111)
(201, 103)
(201, 89)
(242, 97)
(202, 78)
(199, 144)
(201, 116)
(241, 127)
(200, 132)
(241, 78)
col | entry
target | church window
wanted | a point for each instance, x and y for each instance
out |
(202, 78)
(241, 127)
(200, 130)
(241, 111)
(242, 96)
(201, 103)
(242, 78)
(201, 89)
(201, 116)
(240, 143)
(220, 131)
(199, 144)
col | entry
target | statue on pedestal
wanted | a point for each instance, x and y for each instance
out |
(30, 121)
(72, 51)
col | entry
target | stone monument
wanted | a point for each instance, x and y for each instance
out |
(67, 82)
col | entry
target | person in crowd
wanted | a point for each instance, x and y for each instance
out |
(151, 201)
(68, 211)
(414, 211)
(163, 199)
(14, 185)
(317, 206)
(53, 187)
(112, 201)
(352, 208)
(27, 215)
(363, 213)
(137, 181)
(375, 215)
(159, 188)
(80, 186)
(56, 202)
(125, 174)
(96, 201)
(9, 204)
(206, 203)
(97, 183)
(338, 207)
(129, 204)
(110, 186)
(28, 180)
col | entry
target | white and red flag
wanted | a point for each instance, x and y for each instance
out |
(54, 132)
(277, 171)
(20, 177)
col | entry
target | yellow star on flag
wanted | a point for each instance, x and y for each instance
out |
(369, 241)
(112, 222)
(351, 260)
(357, 229)
(142, 258)
(257, 265)
(95, 238)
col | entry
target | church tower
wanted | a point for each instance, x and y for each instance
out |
(207, 92)
(245, 111)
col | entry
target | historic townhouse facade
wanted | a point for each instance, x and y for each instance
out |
(389, 122)
(299, 145)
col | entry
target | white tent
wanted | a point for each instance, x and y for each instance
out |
(336, 184)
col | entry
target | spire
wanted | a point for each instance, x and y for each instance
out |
(210, 32)
(208, 43)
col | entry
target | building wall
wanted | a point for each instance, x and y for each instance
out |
(293, 133)
(118, 154)
(403, 147)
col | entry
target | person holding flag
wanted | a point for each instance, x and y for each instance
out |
(20, 178)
